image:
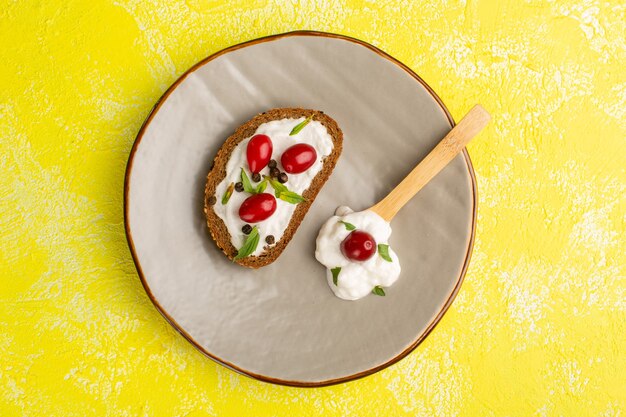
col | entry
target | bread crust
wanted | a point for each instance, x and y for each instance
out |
(217, 173)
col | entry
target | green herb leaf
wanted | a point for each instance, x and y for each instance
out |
(383, 251)
(261, 187)
(291, 197)
(378, 290)
(228, 193)
(247, 185)
(250, 244)
(300, 126)
(277, 186)
(282, 192)
(335, 272)
(349, 226)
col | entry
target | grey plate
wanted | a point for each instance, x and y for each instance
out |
(282, 323)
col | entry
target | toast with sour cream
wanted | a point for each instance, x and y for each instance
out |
(264, 179)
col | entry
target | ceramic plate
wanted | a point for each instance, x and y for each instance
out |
(282, 323)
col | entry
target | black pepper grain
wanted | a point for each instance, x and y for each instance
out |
(272, 163)
(239, 187)
(246, 229)
(256, 177)
(270, 239)
(212, 200)
(274, 172)
(282, 178)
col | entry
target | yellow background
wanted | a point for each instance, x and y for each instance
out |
(539, 326)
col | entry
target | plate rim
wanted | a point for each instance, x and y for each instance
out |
(295, 383)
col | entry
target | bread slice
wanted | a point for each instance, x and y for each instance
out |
(218, 229)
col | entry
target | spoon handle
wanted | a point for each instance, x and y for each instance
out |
(445, 151)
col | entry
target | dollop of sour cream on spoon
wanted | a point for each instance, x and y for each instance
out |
(350, 279)
(353, 246)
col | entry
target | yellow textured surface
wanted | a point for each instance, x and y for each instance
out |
(539, 327)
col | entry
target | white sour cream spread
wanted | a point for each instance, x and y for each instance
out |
(356, 279)
(314, 134)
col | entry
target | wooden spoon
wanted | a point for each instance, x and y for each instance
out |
(445, 151)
